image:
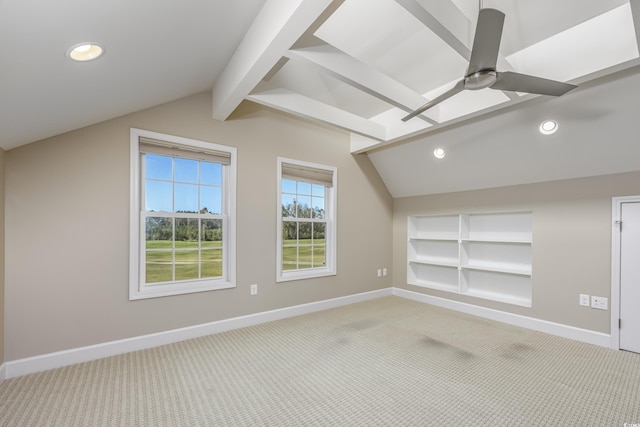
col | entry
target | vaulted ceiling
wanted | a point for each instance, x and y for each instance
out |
(359, 65)
(362, 65)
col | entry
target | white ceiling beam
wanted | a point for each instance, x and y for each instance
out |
(303, 106)
(360, 144)
(445, 20)
(276, 28)
(635, 13)
(353, 72)
(452, 26)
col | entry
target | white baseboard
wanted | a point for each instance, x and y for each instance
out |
(3, 372)
(17, 368)
(20, 367)
(565, 331)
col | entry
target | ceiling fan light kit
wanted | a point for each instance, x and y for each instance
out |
(482, 72)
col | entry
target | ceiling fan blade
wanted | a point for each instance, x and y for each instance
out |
(517, 82)
(486, 42)
(448, 94)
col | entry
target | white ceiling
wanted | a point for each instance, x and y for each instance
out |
(360, 65)
(156, 51)
(597, 135)
(366, 63)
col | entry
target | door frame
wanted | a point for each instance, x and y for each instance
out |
(616, 212)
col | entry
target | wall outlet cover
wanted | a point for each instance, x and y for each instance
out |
(584, 300)
(600, 303)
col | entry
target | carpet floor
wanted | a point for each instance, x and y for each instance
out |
(385, 362)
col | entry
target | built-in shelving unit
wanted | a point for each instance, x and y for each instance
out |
(486, 255)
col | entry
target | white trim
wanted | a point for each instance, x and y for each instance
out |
(137, 289)
(616, 212)
(331, 244)
(58, 359)
(565, 331)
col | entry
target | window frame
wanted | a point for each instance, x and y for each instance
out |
(330, 200)
(138, 289)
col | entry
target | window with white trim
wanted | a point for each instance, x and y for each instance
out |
(306, 243)
(182, 234)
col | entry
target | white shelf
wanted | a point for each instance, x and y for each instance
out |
(497, 268)
(504, 227)
(498, 240)
(502, 257)
(437, 252)
(443, 227)
(486, 255)
(497, 286)
(442, 262)
(436, 285)
(441, 277)
(431, 239)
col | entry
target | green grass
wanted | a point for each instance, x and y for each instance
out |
(302, 254)
(160, 260)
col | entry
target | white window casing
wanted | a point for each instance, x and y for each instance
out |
(143, 142)
(311, 173)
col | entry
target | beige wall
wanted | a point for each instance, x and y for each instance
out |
(571, 241)
(2, 155)
(67, 216)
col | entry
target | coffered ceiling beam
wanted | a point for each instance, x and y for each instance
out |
(355, 73)
(308, 108)
(276, 28)
(445, 20)
(448, 22)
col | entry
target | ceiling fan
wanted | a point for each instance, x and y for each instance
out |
(482, 71)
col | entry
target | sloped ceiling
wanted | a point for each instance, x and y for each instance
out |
(598, 134)
(363, 64)
(359, 65)
(156, 51)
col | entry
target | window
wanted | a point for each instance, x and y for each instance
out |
(182, 215)
(306, 244)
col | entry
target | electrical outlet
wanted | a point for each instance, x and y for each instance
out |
(384, 271)
(584, 300)
(254, 289)
(601, 303)
(379, 272)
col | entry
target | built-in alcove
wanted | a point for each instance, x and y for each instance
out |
(485, 255)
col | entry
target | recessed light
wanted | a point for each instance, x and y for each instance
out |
(439, 153)
(84, 52)
(548, 127)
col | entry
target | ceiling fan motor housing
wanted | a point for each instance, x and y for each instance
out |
(480, 80)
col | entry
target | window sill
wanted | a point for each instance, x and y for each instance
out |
(304, 274)
(155, 291)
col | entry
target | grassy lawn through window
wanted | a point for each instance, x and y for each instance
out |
(160, 253)
(304, 253)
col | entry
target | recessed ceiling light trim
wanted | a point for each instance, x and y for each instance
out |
(439, 153)
(86, 51)
(548, 127)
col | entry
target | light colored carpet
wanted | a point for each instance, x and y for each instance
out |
(389, 361)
